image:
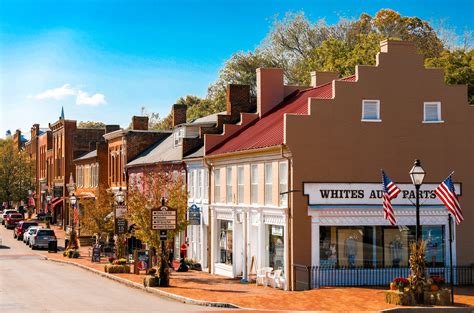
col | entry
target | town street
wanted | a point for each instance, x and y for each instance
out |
(28, 283)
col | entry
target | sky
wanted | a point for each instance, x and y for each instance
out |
(104, 60)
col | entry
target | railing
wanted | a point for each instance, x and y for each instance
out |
(309, 277)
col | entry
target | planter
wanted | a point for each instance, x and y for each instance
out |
(399, 298)
(151, 281)
(112, 269)
(440, 297)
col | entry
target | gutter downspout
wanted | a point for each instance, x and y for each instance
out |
(209, 216)
(288, 268)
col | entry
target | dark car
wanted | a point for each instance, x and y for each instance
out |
(12, 219)
(21, 227)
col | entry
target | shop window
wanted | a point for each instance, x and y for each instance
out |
(371, 111)
(228, 187)
(254, 184)
(240, 184)
(283, 186)
(268, 184)
(275, 251)
(217, 185)
(432, 112)
(225, 241)
(435, 245)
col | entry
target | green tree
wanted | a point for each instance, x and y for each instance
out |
(91, 124)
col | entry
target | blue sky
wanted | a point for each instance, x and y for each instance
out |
(104, 60)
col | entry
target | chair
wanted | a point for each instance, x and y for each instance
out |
(273, 279)
(262, 275)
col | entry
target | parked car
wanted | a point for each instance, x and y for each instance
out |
(4, 215)
(41, 238)
(21, 227)
(12, 219)
(30, 232)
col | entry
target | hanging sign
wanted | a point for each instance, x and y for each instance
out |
(194, 215)
(121, 226)
(164, 218)
(120, 210)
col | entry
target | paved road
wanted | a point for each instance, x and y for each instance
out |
(28, 283)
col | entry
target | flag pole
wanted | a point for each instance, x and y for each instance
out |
(451, 258)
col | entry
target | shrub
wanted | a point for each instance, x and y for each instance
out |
(112, 268)
(121, 261)
(111, 259)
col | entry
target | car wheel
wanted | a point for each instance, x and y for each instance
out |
(33, 247)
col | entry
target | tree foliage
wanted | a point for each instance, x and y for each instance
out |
(16, 172)
(95, 217)
(91, 124)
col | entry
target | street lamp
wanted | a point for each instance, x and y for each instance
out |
(73, 201)
(417, 174)
(120, 196)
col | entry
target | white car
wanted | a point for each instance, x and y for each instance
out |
(30, 231)
(4, 215)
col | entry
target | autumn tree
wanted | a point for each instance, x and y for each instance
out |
(96, 214)
(91, 124)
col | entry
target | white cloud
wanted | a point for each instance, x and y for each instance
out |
(94, 100)
(57, 93)
(82, 97)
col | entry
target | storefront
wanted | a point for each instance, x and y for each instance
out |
(349, 230)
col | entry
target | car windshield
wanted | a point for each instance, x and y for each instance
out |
(28, 225)
(46, 232)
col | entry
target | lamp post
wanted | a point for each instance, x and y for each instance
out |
(73, 201)
(48, 208)
(120, 237)
(417, 174)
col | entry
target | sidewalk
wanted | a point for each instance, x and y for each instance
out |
(212, 288)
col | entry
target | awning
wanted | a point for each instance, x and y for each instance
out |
(53, 204)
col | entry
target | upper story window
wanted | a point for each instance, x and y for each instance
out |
(268, 184)
(254, 184)
(217, 185)
(432, 112)
(178, 136)
(283, 183)
(191, 184)
(240, 184)
(228, 185)
(199, 184)
(371, 111)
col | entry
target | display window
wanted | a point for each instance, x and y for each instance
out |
(275, 251)
(225, 241)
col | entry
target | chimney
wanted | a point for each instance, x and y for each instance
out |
(140, 123)
(397, 46)
(321, 78)
(270, 89)
(111, 128)
(238, 99)
(178, 113)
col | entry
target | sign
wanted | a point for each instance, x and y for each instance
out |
(120, 210)
(121, 226)
(164, 218)
(163, 235)
(141, 260)
(194, 215)
(369, 194)
(96, 253)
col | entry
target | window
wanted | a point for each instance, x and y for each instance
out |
(240, 184)
(178, 136)
(199, 184)
(432, 112)
(254, 184)
(275, 252)
(268, 184)
(206, 185)
(283, 182)
(371, 110)
(217, 185)
(225, 242)
(191, 184)
(228, 187)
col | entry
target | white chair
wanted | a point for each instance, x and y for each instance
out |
(273, 279)
(262, 275)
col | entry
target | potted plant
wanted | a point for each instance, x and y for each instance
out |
(151, 280)
(400, 283)
(437, 283)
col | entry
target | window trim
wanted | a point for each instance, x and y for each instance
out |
(438, 103)
(378, 111)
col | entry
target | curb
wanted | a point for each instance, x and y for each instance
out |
(158, 292)
(430, 309)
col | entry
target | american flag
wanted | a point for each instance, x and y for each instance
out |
(390, 191)
(447, 194)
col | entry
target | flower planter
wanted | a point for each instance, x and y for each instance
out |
(112, 269)
(399, 298)
(151, 281)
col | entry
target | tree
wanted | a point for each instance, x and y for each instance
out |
(161, 182)
(91, 124)
(155, 122)
(96, 214)
(16, 172)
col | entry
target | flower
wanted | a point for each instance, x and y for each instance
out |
(401, 282)
(438, 280)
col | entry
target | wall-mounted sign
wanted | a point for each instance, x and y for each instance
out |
(194, 215)
(164, 218)
(120, 210)
(368, 194)
(121, 226)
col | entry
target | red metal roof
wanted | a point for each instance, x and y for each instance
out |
(268, 131)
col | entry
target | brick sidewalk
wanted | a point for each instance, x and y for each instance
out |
(213, 288)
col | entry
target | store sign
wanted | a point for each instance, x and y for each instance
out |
(121, 226)
(194, 215)
(120, 211)
(369, 194)
(164, 218)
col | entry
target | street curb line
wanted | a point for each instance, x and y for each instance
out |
(151, 290)
(450, 309)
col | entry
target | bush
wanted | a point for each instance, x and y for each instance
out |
(71, 253)
(112, 268)
(111, 259)
(121, 261)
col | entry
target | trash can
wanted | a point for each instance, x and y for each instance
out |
(66, 243)
(52, 246)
